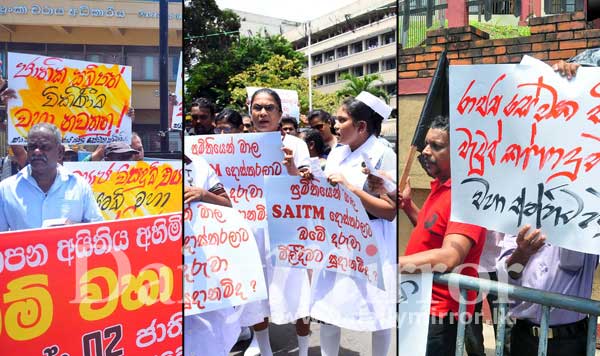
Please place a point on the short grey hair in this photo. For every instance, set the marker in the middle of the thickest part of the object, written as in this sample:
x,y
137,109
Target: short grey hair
x,y
44,126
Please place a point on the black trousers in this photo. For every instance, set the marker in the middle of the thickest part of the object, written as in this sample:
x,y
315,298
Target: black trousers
x,y
474,330
523,343
441,340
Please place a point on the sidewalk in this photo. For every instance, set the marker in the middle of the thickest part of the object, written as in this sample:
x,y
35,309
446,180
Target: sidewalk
x,y
284,342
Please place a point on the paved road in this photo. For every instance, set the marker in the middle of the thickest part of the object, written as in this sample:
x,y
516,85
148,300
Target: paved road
x,y
284,342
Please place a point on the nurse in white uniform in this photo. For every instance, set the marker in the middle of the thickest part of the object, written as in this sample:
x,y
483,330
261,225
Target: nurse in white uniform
x,y
214,332
340,300
289,288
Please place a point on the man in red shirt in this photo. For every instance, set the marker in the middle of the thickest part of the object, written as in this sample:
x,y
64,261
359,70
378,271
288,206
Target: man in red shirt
x,y
438,243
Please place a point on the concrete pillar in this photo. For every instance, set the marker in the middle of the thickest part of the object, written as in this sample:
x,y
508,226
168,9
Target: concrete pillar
x,y
525,11
458,15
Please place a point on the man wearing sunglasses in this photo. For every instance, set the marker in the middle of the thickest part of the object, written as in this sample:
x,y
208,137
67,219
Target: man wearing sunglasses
x,y
247,121
203,117
321,120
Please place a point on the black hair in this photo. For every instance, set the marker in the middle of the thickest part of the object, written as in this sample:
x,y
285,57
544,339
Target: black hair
x,y
271,92
204,103
360,111
231,116
324,116
440,122
313,135
289,120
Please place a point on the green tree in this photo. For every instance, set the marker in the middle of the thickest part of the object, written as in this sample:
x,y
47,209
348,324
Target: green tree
x,y
209,78
366,83
208,31
280,73
209,34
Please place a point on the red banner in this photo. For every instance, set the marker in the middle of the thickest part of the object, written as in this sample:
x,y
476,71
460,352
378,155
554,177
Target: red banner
x,y
110,288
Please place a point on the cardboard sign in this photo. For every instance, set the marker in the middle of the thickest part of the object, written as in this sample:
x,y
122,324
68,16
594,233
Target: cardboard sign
x,y
525,150
87,101
241,161
414,302
93,289
315,225
222,263
132,189
177,119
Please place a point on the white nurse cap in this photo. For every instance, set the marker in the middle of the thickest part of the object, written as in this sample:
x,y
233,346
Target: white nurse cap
x,y
378,105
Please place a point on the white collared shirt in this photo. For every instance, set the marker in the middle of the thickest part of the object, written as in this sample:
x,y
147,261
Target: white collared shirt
x,y
23,204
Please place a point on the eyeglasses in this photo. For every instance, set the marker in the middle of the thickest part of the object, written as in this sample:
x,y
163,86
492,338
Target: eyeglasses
x,y
268,108
200,117
223,129
318,127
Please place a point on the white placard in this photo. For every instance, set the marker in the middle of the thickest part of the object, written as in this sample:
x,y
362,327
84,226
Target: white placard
x,y
525,149
318,226
222,263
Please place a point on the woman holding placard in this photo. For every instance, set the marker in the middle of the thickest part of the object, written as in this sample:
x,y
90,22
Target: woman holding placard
x,y
285,304
340,300
214,332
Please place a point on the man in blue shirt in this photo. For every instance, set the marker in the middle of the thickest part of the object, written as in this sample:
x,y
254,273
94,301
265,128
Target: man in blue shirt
x,y
43,193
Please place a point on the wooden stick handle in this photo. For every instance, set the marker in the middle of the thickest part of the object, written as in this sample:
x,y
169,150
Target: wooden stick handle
x,y
411,157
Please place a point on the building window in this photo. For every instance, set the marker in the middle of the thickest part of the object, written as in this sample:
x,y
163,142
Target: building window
x,y
150,68
342,51
329,56
319,81
389,37
373,67
173,66
372,42
29,48
93,58
341,73
65,51
329,78
358,71
356,47
145,60
391,89
317,59
390,64
105,54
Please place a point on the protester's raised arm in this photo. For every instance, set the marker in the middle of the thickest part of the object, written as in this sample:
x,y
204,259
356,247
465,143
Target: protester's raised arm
x,y
444,259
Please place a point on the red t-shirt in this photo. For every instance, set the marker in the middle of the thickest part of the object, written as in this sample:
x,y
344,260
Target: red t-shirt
x,y
432,226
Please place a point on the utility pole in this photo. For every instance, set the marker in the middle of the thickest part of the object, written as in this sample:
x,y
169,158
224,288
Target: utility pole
x,y
163,68
309,71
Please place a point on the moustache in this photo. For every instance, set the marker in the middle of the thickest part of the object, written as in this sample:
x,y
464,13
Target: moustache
x,y
424,160
39,158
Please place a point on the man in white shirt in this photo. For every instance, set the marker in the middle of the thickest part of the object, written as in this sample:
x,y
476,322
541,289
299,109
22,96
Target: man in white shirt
x,y
44,193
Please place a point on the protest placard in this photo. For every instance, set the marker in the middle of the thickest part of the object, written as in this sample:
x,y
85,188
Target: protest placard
x,y
524,151
87,101
177,118
109,288
241,161
290,105
222,262
315,225
130,189
414,302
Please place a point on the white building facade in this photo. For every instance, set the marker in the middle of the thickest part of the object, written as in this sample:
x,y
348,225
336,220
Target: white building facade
x,y
359,39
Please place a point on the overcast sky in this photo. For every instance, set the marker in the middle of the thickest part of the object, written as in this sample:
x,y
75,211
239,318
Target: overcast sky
x,y
299,11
